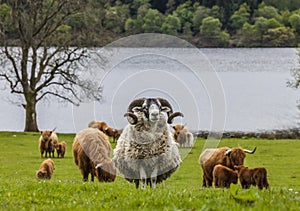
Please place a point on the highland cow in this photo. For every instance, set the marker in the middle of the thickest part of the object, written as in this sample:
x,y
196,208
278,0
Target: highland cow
x,y
61,149
48,142
224,176
252,176
102,126
91,152
225,156
46,169
182,136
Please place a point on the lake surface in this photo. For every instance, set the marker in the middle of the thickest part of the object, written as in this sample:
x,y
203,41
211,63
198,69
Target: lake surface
x,y
216,89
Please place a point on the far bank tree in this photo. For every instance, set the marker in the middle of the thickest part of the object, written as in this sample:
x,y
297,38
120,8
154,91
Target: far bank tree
x,y
41,63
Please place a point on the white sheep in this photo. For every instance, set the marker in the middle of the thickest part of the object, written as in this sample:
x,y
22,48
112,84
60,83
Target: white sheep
x,y
146,150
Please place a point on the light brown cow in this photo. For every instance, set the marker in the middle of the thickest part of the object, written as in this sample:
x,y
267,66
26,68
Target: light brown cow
x,y
46,169
91,152
252,176
48,142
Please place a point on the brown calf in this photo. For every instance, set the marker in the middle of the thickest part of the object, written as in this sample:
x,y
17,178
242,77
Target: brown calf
x,y
252,176
224,176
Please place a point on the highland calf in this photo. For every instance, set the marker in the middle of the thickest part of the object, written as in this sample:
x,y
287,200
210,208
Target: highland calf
x,y
91,152
48,142
61,149
225,156
252,176
46,169
224,176
182,136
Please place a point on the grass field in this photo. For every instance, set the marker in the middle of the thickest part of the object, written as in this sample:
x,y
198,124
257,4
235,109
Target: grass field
x,y
20,190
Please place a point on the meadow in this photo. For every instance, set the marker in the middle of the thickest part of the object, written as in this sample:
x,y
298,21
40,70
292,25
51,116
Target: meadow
x,y
21,190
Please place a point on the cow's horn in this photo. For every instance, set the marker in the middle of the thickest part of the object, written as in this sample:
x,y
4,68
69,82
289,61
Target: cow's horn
x,y
250,152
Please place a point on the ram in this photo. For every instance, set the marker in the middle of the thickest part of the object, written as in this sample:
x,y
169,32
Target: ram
x,y
225,156
146,151
91,153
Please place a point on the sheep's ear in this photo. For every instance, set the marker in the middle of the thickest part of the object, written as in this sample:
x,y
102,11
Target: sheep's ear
x,y
165,109
174,127
41,132
137,109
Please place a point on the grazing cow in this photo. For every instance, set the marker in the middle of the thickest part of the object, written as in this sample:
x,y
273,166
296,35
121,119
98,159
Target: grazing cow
x,y
224,176
252,176
46,169
91,152
224,156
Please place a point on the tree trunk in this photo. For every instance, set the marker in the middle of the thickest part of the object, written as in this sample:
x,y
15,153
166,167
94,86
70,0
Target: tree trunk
x,y
30,120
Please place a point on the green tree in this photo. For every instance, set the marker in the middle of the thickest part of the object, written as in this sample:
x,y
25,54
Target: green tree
x,y
200,13
171,25
267,12
279,37
152,21
294,20
116,17
6,21
210,27
240,17
185,13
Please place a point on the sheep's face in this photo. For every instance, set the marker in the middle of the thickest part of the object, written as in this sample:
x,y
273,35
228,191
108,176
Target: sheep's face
x,y
152,109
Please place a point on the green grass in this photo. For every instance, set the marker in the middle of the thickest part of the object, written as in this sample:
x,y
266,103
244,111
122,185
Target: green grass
x,y
20,190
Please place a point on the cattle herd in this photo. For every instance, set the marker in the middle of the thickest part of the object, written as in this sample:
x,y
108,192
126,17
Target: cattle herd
x,y
147,151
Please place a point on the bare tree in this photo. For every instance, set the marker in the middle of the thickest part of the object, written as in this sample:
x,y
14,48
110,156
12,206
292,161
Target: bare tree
x,y
42,63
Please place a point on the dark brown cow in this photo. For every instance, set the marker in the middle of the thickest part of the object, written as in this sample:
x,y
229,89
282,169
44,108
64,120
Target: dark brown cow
x,y
224,176
252,176
224,156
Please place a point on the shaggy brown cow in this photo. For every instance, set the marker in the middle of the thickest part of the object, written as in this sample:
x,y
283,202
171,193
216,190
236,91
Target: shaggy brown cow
x,y
46,169
61,149
48,142
224,176
252,176
91,152
225,156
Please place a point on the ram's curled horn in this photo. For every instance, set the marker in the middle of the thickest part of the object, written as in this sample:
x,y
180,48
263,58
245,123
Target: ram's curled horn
x,y
250,152
131,117
170,114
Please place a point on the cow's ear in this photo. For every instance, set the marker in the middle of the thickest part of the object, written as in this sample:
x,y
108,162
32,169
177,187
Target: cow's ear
x,y
227,153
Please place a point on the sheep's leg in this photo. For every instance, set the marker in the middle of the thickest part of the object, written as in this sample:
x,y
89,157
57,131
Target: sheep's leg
x,y
143,178
154,178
